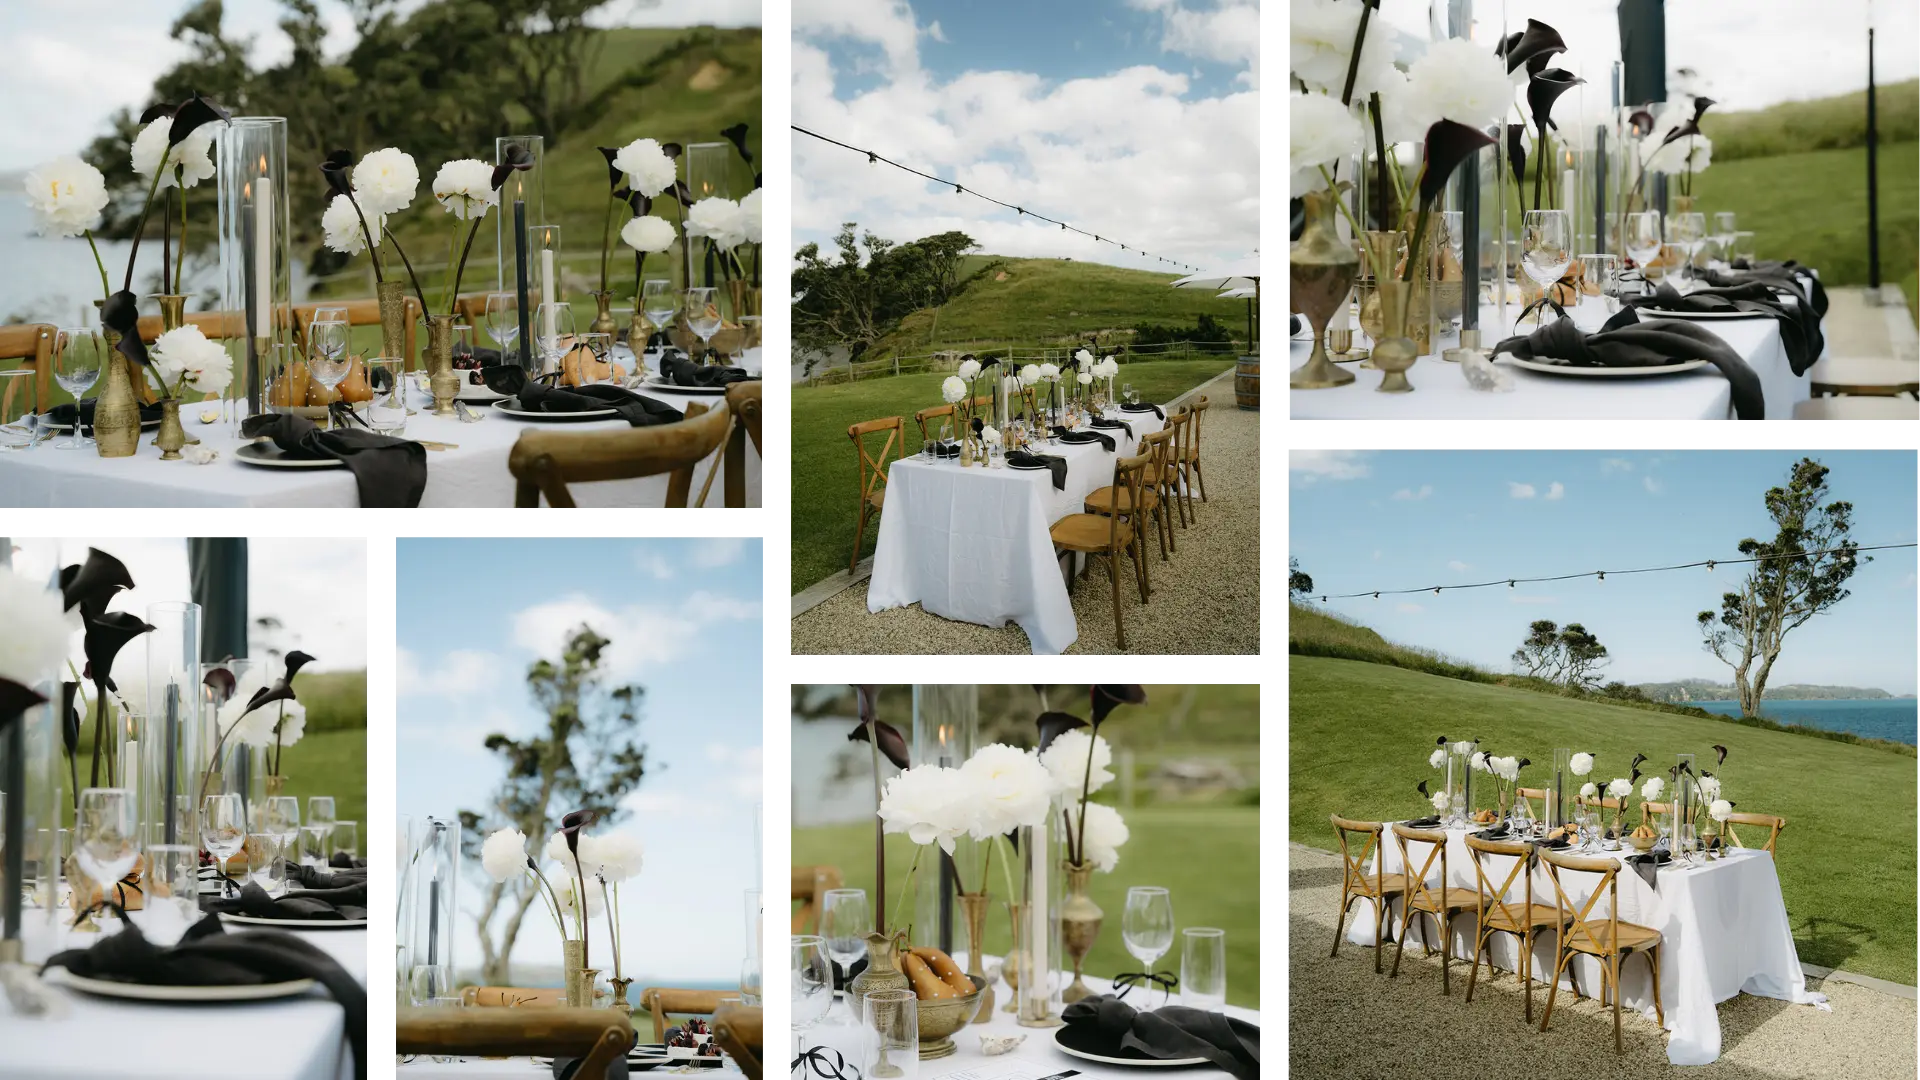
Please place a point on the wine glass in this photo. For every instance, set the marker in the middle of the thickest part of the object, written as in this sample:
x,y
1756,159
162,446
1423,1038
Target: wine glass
x,y
1687,232
890,1035
553,322
1725,229
812,989
327,344
1203,968
1147,925
1548,239
703,315
844,922
78,356
503,321
658,303
600,347
1742,248
1131,395
1643,238
223,828
319,827
106,840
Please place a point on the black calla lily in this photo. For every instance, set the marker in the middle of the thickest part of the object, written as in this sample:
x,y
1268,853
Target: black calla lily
x,y
641,205
121,313
1052,725
156,111
1637,759
1641,120
518,160
334,167
192,114
1700,107
893,745
1722,752
16,699
1422,788
106,636
1530,46
672,150
1448,144
1107,697
282,688
221,682
616,179
1517,154
1522,763
1544,89
90,585
737,135
1441,741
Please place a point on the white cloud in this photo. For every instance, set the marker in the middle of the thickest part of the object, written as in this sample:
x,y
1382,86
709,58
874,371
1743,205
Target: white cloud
x,y
641,637
1520,491
1609,466
1228,32
650,561
1458,567
717,552
458,673
1653,486
1308,466
1408,609
1556,490
1410,495
711,607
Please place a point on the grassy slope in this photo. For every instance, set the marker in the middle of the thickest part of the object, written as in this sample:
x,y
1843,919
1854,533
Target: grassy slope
x,y
332,763
1846,860
826,477
1209,857
1824,124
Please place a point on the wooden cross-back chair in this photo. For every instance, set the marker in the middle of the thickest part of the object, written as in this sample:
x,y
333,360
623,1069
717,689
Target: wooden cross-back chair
x,y
1356,883
743,401
1772,823
1190,454
598,1036
32,345
873,473
1440,904
1538,813
1651,810
810,887
545,462
739,1031
1499,914
934,412
1610,940
1115,499
1180,426
218,325
1111,535
517,997
737,1028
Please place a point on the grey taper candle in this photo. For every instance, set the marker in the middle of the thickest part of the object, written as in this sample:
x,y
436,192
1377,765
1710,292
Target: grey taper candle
x,y
16,809
520,277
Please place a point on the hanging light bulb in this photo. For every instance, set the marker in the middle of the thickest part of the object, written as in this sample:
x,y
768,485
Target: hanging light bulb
x,y
1376,596
1509,583
1601,574
1709,566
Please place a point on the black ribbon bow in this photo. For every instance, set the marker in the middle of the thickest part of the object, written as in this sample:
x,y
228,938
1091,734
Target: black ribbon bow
x,y
1127,980
1625,341
824,1062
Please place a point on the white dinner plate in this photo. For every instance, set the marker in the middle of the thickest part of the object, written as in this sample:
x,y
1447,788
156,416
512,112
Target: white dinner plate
x,y
181,994
145,425
1060,1041
1027,468
1605,372
267,455
1656,313
655,382
296,924
472,392
507,405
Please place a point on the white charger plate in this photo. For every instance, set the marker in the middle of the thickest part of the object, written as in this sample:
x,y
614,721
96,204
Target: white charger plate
x,y
1605,372
181,994
1141,1063
267,455
1656,313
655,382
296,924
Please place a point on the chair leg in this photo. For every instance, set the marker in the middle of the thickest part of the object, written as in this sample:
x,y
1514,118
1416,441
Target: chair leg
x,y
1379,920
1160,523
1119,625
1653,961
1479,948
1526,971
859,535
1202,478
1553,988
1167,508
1400,947
1139,562
1340,926
1446,951
1613,965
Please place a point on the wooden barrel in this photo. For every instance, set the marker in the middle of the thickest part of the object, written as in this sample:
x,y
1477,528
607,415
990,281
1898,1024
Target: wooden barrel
x,y
1246,383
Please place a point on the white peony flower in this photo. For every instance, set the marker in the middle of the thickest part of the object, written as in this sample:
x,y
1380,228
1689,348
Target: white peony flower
x,y
465,188
1029,375
1437,759
647,233
66,196
596,901
192,158
719,220
504,855
1066,758
932,804
1321,46
1620,788
649,170
1479,761
34,631
1506,768
1589,789
750,215
385,182
1460,81
968,370
1440,801
1720,810
1652,788
953,390
1582,764
616,856
257,727
1084,379
1010,788
1108,368
341,226
1710,788
556,850
1106,832
1083,356
185,351
1049,373
1319,131
1690,154
1404,115
991,434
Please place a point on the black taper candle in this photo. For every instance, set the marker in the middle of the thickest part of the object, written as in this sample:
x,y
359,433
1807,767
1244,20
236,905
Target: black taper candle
x,y
249,286
1873,174
946,903
16,785
520,278
1469,195
708,282
172,827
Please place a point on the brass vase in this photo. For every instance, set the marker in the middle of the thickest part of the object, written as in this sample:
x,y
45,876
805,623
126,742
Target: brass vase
x,y
1420,296
883,965
620,994
116,411
573,956
603,321
973,907
173,310
1383,250
1394,352
753,312
1322,269
393,318
440,377
172,436
1080,920
276,785
638,331
1010,970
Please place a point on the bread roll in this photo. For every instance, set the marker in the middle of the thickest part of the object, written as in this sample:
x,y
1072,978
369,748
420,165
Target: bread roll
x,y
926,985
944,967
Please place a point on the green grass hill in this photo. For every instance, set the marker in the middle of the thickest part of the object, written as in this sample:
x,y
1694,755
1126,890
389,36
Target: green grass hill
x,y
1360,732
1832,123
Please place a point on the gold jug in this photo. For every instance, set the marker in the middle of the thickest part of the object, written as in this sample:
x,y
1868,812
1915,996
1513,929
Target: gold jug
x,y
1322,268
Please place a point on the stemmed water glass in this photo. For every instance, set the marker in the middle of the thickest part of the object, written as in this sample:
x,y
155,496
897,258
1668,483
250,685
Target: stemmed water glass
x,y
319,827
844,922
1601,272
1687,232
1147,925
703,316
503,322
223,828
554,326
106,840
1643,239
327,344
1548,239
78,355
658,303
1725,228
812,989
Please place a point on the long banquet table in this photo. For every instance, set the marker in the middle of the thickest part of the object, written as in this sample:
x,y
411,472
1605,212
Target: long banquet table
x,y
972,544
472,475
1723,925
1441,391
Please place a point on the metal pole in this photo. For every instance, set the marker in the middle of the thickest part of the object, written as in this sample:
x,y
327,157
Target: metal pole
x,y
1873,176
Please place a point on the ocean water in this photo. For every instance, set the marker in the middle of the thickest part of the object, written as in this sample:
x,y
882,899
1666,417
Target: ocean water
x,y
1879,718
55,280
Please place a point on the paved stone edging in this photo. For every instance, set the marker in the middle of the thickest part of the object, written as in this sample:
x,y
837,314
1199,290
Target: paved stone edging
x,y
1891,989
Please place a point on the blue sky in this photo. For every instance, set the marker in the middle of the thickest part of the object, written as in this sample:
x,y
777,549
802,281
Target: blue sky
x,y
1364,521
684,619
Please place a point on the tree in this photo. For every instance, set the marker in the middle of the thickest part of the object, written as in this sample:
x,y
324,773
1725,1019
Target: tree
x,y
1570,655
859,298
1299,583
1539,652
587,756
1802,572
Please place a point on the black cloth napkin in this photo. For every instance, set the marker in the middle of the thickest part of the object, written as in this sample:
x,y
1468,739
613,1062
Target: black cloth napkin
x,y
843,976
1625,341
684,372
1422,823
1063,434
1144,406
1799,314
1498,832
536,396
209,956
340,860
64,413
946,449
1648,865
1120,425
390,472
1789,275
323,895
1111,1027
1058,465
1799,327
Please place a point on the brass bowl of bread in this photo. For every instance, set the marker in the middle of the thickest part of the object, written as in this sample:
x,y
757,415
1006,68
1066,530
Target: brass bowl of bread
x,y
1643,839
944,1007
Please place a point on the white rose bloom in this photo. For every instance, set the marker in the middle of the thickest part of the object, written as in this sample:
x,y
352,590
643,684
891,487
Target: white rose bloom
x,y
1106,832
1439,801
1321,37
1720,810
385,182
1620,788
1084,379
66,196
34,631
1582,764
504,855
649,170
596,901
969,370
186,351
953,389
750,215
341,227
1009,785
465,188
1066,759
1652,789
719,220
193,157
1029,375
647,233
1461,81
1437,759
932,804
1319,131
1049,372
1589,789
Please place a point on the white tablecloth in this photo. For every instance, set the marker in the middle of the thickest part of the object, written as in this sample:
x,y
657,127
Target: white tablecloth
x,y
1723,926
474,474
302,1038
1441,391
972,544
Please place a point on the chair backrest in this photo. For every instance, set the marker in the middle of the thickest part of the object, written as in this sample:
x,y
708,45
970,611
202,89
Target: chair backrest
x,y
873,470
743,401
1180,428
1601,801
366,312
1520,853
545,462
1772,823
932,412
810,885
1128,473
1418,888
600,1036
32,345
1609,885
218,325
1354,866
739,1029
1530,794
662,1002
514,996
1651,810
1158,449
1199,408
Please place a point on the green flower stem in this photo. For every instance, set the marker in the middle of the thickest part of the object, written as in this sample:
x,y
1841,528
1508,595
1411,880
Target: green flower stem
x,y
106,289
180,253
1413,246
613,924
1358,232
606,243
1006,866
134,255
907,890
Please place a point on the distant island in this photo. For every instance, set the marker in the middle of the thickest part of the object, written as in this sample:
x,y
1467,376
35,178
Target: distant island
x,y
1689,690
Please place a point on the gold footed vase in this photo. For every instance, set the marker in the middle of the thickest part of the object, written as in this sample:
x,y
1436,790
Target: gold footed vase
x,y
1080,920
573,955
440,377
603,320
620,994
393,317
973,907
1395,352
1322,269
172,436
116,411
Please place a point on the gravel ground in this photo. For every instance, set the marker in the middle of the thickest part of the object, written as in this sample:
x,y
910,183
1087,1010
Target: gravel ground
x,y
1347,1022
1205,601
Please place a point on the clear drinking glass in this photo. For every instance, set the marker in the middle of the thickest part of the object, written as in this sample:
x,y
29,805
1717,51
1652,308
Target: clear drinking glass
x,y
659,303
1725,228
1548,239
1600,272
890,1020
553,327
346,838
223,827
812,989
703,314
1743,247
387,410
1688,232
263,856
844,922
280,818
172,881
106,840
1146,927
18,422
327,348
79,354
1203,967
1643,238
503,321
318,831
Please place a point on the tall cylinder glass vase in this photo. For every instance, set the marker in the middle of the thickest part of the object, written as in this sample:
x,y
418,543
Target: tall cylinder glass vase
x,y
36,795
946,720
178,754
527,187
1681,792
406,841
709,176
1459,777
436,880
1565,786
256,255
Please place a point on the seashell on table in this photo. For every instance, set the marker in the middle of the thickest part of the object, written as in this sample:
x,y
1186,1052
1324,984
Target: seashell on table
x,y
996,1045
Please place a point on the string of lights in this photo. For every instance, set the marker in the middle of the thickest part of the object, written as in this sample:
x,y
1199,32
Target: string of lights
x,y
1599,575
874,158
